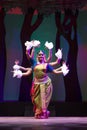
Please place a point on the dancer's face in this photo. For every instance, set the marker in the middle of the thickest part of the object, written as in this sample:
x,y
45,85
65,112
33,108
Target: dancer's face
x,y
40,57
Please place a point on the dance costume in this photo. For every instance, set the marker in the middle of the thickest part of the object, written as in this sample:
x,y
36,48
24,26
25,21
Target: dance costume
x,y
41,90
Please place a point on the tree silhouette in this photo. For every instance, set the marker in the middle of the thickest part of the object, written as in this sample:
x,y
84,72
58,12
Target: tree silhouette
x,y
26,32
2,52
68,29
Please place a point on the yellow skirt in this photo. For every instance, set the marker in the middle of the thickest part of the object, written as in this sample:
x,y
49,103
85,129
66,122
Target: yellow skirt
x,y
41,94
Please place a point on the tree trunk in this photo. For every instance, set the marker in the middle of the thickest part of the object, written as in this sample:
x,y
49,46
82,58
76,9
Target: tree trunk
x,y
26,32
2,53
68,29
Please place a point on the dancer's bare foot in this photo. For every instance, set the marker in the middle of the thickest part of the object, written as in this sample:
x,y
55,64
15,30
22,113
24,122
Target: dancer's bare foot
x,y
45,115
37,116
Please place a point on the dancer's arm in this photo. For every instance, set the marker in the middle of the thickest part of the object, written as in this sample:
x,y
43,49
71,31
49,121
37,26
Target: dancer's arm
x,y
60,68
63,69
55,62
52,70
25,69
30,53
58,54
49,56
28,72
19,73
57,71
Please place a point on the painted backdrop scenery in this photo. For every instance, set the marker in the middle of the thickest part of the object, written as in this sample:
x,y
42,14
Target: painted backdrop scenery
x,y
45,32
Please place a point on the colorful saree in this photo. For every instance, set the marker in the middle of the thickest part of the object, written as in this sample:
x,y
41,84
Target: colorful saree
x,y
41,91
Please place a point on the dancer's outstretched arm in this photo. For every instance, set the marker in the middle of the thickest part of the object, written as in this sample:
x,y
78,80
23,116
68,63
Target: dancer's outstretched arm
x,y
30,46
23,68
63,69
49,56
55,62
30,53
28,72
49,46
18,73
57,71
58,54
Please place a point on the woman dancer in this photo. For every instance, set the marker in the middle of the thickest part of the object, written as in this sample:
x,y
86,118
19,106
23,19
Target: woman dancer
x,y
42,88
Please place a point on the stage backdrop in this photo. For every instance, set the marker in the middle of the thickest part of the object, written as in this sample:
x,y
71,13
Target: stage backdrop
x,y
45,32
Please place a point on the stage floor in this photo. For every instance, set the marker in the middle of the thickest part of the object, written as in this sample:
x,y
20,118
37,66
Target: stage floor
x,y
52,123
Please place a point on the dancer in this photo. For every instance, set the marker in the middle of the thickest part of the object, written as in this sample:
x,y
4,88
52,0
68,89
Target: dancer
x,y
41,91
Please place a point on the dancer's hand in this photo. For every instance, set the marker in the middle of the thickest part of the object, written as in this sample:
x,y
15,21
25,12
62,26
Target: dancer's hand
x,y
36,43
49,45
17,73
58,54
28,45
65,69
16,67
